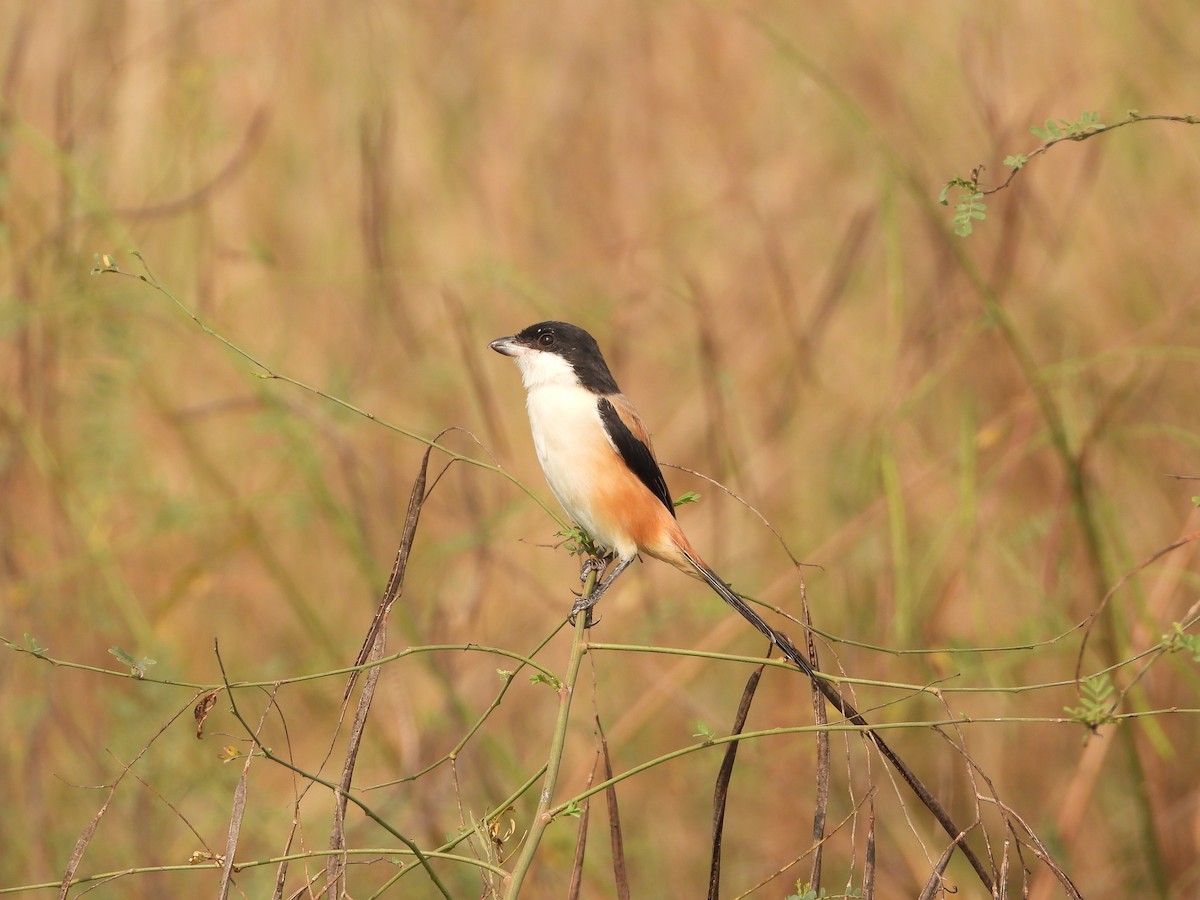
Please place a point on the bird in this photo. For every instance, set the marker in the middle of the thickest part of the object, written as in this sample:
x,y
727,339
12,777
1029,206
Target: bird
x,y
599,462
596,454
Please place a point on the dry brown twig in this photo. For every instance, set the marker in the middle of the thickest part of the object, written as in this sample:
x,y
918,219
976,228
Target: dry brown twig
x,y
373,649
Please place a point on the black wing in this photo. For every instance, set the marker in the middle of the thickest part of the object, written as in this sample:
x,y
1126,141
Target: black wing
x,y
635,452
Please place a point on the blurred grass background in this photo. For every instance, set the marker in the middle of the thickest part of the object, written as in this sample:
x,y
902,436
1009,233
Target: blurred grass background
x,y
740,205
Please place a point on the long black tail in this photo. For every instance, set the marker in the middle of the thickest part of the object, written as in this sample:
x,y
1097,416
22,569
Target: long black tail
x,y
845,707
780,640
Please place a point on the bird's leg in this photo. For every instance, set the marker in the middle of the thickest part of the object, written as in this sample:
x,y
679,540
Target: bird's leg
x,y
595,564
585,604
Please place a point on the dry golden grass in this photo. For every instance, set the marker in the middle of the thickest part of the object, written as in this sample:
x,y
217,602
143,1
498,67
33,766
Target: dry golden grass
x,y
741,206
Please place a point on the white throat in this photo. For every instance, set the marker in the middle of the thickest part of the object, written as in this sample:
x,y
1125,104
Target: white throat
x,y
542,369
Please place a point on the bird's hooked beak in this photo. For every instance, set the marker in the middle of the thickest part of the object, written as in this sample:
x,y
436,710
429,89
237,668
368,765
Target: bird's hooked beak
x,y
507,345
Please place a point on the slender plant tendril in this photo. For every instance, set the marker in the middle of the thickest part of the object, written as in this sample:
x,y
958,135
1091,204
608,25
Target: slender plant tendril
x,y
970,207
370,813
106,265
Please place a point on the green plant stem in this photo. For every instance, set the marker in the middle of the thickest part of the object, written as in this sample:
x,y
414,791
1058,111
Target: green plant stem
x,y
297,679
543,818
936,688
215,865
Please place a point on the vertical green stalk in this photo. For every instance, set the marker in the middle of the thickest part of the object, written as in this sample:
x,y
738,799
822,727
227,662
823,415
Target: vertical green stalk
x,y
558,741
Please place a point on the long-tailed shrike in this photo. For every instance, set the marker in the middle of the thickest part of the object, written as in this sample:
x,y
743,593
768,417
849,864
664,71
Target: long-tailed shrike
x,y
597,457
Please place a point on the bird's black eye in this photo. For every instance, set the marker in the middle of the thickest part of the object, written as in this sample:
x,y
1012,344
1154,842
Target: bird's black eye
x,y
546,339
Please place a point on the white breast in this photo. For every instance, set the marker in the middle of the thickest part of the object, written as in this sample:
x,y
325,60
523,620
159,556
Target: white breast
x,y
564,421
